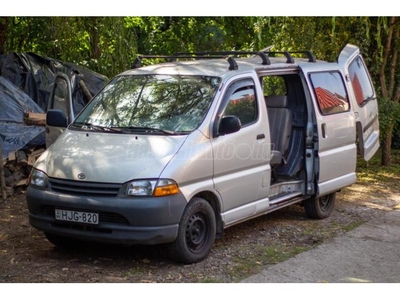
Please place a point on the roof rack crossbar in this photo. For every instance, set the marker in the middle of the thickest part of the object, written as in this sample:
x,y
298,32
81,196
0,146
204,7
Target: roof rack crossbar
x,y
205,55
138,60
263,56
137,63
289,58
309,54
232,63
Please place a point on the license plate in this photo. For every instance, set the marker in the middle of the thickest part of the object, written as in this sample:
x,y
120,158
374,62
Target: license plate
x,y
77,216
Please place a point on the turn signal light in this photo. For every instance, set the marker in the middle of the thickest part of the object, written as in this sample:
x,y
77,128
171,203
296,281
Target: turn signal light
x,y
166,190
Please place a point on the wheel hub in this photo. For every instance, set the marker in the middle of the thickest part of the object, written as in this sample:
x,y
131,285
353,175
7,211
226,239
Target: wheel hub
x,y
195,232
324,202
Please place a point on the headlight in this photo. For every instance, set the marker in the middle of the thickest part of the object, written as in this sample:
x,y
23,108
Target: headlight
x,y
156,188
140,188
38,178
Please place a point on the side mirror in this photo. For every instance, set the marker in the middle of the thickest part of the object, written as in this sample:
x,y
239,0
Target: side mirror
x,y
229,124
56,118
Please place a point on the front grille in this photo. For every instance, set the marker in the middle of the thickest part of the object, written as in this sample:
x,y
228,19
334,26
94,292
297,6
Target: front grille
x,y
73,187
112,218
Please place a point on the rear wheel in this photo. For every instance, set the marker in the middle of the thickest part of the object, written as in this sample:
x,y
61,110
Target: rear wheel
x,y
196,232
321,207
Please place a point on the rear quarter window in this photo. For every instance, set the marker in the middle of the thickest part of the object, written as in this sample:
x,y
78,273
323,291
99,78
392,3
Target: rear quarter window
x,y
360,81
330,92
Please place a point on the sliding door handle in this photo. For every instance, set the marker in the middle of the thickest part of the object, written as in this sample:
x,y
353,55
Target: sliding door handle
x,y
260,136
323,130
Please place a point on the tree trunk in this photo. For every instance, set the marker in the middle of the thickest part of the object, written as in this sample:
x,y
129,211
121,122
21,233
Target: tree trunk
x,y
386,158
2,176
3,33
389,84
94,37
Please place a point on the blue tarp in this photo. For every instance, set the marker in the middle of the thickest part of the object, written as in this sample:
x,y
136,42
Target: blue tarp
x,y
14,133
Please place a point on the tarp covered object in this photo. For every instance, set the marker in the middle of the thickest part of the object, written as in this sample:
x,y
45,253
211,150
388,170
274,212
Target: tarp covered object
x,y
13,132
26,81
35,74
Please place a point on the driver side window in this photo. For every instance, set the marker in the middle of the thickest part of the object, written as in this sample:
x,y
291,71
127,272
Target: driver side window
x,y
242,104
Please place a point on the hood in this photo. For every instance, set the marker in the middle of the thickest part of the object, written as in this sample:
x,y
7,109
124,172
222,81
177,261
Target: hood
x,y
108,157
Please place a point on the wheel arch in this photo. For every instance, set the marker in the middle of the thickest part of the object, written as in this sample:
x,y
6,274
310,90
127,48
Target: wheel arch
x,y
211,198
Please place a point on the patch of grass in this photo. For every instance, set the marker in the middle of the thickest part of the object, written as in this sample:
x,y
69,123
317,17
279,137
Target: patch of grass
x,y
320,234
373,171
211,280
352,225
137,270
277,255
247,266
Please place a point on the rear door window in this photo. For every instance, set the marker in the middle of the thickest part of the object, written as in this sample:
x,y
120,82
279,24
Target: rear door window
x,y
330,92
360,81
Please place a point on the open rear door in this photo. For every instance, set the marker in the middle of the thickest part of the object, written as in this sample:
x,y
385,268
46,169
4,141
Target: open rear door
x,y
60,99
363,100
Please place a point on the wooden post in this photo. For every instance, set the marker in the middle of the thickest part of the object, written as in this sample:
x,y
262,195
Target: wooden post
x,y
86,91
2,176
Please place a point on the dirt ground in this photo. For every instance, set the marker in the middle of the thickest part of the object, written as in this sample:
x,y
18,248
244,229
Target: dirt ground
x,y
27,257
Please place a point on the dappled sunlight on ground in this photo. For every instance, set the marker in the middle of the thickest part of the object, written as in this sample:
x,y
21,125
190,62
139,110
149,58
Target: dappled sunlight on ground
x,y
374,195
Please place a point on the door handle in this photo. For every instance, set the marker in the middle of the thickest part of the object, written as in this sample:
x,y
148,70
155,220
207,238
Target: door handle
x,y
323,130
260,136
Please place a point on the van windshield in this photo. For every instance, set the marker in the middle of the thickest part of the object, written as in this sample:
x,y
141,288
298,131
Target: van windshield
x,y
158,104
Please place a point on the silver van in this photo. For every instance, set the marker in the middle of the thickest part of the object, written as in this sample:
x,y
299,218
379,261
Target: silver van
x,y
174,153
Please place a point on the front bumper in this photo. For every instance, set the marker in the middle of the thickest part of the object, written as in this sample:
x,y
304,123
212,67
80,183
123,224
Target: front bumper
x,y
123,220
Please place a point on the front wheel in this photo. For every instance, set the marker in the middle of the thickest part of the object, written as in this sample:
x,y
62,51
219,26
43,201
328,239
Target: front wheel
x,y
321,207
196,233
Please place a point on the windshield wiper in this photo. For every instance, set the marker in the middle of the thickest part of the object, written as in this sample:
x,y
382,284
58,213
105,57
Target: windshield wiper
x,y
148,129
85,125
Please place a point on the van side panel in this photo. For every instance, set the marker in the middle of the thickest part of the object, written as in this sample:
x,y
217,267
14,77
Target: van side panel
x,y
241,169
337,159
192,166
363,99
336,128
331,185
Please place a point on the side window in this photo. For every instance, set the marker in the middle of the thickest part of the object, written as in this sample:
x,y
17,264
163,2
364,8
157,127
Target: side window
x,y
242,104
274,85
330,92
360,81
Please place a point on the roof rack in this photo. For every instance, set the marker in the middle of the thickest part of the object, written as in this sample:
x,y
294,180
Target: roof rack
x,y
205,55
309,54
229,55
289,57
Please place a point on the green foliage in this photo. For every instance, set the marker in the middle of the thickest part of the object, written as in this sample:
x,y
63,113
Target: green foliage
x,y
109,45
274,85
389,112
93,44
372,174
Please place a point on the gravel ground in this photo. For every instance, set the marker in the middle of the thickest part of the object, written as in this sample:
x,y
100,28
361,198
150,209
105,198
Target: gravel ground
x,y
27,257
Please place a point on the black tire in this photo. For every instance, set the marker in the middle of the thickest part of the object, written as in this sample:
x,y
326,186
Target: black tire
x,y
62,241
196,233
321,207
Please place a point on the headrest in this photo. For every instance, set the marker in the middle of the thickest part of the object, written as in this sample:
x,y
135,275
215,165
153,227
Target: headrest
x,y
276,101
